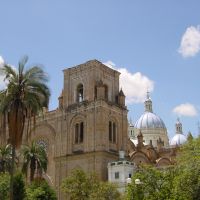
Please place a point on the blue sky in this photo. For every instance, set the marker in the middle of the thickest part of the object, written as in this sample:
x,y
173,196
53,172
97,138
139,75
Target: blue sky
x,y
155,44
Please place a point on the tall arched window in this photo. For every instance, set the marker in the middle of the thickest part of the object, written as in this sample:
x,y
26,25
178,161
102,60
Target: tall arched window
x,y
112,132
79,93
79,133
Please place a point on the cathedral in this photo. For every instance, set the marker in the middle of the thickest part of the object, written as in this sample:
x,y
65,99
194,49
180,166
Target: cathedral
x,y
89,128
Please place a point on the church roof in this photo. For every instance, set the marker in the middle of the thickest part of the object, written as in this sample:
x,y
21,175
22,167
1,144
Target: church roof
x,y
149,120
178,139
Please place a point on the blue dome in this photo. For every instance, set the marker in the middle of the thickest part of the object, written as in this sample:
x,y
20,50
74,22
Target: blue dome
x,y
178,139
149,120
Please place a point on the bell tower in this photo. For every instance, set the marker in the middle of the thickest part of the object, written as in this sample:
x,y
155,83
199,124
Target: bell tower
x,y
94,128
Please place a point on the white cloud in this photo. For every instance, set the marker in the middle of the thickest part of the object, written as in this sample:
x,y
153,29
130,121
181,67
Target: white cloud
x,y
110,64
1,61
2,84
190,42
134,85
186,109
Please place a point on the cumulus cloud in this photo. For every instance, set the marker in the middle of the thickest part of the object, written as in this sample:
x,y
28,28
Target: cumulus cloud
x,y
1,61
190,42
186,109
2,84
134,85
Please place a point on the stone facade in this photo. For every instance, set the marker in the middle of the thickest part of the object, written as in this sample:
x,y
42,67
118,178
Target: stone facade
x,y
88,128
143,154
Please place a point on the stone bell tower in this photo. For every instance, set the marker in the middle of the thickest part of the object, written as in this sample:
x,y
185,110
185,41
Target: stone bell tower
x,y
94,125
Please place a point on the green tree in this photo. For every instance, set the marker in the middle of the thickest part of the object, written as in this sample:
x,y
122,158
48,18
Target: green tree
x,y
154,184
40,190
105,191
80,186
19,187
5,158
25,94
189,136
4,186
187,180
35,158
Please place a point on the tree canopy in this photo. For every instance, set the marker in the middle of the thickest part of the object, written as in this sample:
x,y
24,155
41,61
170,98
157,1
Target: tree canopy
x,y
25,94
178,182
80,186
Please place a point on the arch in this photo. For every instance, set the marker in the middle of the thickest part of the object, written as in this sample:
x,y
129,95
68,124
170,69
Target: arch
x,y
77,131
44,124
163,162
77,117
139,157
113,118
47,134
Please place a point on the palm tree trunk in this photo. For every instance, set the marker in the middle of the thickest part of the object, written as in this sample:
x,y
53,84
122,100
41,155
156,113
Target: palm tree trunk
x,y
32,171
12,172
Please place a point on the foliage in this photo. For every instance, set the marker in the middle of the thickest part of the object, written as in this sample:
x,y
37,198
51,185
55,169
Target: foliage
x,y
40,190
4,186
18,187
190,153
5,158
105,191
80,186
187,180
35,157
26,93
180,182
189,136
155,184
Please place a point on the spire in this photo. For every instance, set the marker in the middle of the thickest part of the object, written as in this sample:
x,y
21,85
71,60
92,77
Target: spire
x,y
148,103
121,92
178,127
148,94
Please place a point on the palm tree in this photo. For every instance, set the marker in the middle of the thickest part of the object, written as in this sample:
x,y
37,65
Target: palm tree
x,y
5,158
26,93
35,158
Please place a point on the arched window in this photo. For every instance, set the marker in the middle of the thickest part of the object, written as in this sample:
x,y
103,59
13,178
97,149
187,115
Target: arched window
x,y
79,133
42,143
112,132
79,93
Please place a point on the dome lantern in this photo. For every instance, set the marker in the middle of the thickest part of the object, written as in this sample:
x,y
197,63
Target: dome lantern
x,y
178,126
148,103
179,138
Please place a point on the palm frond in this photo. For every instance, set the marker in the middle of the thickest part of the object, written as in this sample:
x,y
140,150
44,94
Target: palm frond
x,y
25,95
